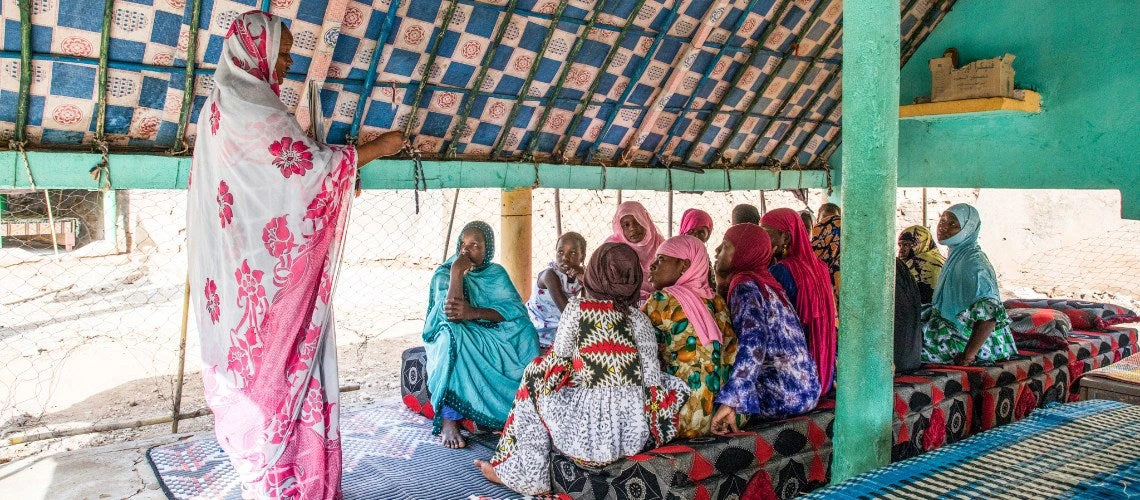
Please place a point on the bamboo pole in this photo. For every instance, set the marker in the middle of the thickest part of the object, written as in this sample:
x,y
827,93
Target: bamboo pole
x,y
181,356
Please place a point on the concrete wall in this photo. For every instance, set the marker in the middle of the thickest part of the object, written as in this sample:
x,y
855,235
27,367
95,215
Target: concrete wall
x,y
1080,56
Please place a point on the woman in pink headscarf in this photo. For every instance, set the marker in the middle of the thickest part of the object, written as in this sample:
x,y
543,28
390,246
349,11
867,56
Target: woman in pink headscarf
x,y
693,331
697,223
266,223
634,227
807,281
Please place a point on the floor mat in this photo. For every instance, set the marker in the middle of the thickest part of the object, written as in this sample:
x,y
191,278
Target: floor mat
x,y
389,454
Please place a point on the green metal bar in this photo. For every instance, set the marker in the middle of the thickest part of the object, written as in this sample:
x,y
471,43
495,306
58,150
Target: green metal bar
x,y
817,12
427,67
539,54
676,128
578,42
104,56
265,6
800,119
370,76
788,100
188,86
560,149
633,81
25,71
761,41
807,109
140,171
864,406
111,219
469,98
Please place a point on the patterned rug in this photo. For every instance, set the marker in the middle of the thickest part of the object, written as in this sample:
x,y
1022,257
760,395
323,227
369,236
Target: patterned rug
x,y
1125,370
389,454
1078,450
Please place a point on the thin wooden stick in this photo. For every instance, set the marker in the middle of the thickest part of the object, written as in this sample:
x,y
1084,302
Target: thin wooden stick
x,y
558,210
450,224
181,356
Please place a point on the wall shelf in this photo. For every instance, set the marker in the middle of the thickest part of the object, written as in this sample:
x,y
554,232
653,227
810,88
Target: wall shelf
x,y
989,105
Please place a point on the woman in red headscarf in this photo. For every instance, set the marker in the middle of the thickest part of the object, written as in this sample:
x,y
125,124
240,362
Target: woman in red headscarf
x,y
808,281
266,219
634,227
773,375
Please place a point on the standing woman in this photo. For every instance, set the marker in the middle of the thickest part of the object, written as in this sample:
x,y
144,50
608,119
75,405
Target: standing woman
x,y
813,296
968,322
825,240
634,227
266,223
921,256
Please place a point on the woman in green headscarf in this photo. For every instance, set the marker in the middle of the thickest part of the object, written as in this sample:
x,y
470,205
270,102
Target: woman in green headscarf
x,y
477,335
967,322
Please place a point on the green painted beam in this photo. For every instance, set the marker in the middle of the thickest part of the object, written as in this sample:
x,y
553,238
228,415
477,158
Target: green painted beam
x,y
864,407
68,170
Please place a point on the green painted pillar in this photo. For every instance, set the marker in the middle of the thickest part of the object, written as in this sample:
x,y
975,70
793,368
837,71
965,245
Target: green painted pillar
x,y
863,413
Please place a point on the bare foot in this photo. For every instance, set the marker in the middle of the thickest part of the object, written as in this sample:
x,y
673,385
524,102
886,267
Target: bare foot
x,y
488,471
451,436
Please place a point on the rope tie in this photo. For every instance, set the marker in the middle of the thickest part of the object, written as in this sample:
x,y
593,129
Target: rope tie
x,y
19,146
420,182
101,173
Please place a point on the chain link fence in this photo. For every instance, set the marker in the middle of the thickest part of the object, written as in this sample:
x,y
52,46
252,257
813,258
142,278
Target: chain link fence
x,y
90,322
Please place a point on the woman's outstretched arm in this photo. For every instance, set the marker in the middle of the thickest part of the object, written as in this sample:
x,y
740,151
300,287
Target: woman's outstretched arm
x,y
388,144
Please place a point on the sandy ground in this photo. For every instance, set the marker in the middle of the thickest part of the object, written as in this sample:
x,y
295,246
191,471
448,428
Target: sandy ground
x,y
93,339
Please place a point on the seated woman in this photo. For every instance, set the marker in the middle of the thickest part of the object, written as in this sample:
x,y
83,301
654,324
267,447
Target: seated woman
x,y
599,395
634,227
561,280
967,322
921,256
693,331
808,283
697,223
825,240
773,376
477,335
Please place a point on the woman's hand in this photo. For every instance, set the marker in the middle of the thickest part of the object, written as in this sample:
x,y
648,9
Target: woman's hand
x,y
388,144
458,310
964,360
724,421
462,265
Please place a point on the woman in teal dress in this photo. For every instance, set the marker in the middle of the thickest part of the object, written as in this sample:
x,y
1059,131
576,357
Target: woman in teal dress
x,y
477,335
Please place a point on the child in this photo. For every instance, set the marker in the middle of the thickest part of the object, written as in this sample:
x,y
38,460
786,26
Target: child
x,y
556,284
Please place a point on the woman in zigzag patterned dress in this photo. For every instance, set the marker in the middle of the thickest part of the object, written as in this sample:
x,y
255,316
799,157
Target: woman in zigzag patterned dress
x,y
583,398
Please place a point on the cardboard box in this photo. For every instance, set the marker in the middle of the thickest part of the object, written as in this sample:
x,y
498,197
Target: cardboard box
x,y
984,78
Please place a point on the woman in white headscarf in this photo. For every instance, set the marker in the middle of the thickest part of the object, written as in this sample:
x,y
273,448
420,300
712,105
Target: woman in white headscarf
x,y
266,221
967,322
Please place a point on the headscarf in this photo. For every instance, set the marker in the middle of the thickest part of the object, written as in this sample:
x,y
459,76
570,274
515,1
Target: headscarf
x,y
646,248
614,274
694,219
926,262
825,244
751,257
692,289
967,275
815,298
488,236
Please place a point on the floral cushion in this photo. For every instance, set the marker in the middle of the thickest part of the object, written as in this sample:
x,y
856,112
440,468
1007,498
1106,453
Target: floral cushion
x,y
1045,329
1084,315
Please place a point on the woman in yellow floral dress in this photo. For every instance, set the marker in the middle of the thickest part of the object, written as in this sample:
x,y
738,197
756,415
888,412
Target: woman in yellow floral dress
x,y
694,330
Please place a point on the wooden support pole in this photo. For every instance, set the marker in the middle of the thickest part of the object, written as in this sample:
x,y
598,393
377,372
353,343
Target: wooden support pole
x,y
516,237
181,357
864,400
558,210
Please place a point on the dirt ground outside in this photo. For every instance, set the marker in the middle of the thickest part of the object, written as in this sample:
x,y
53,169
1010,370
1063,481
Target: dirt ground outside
x,y
92,337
